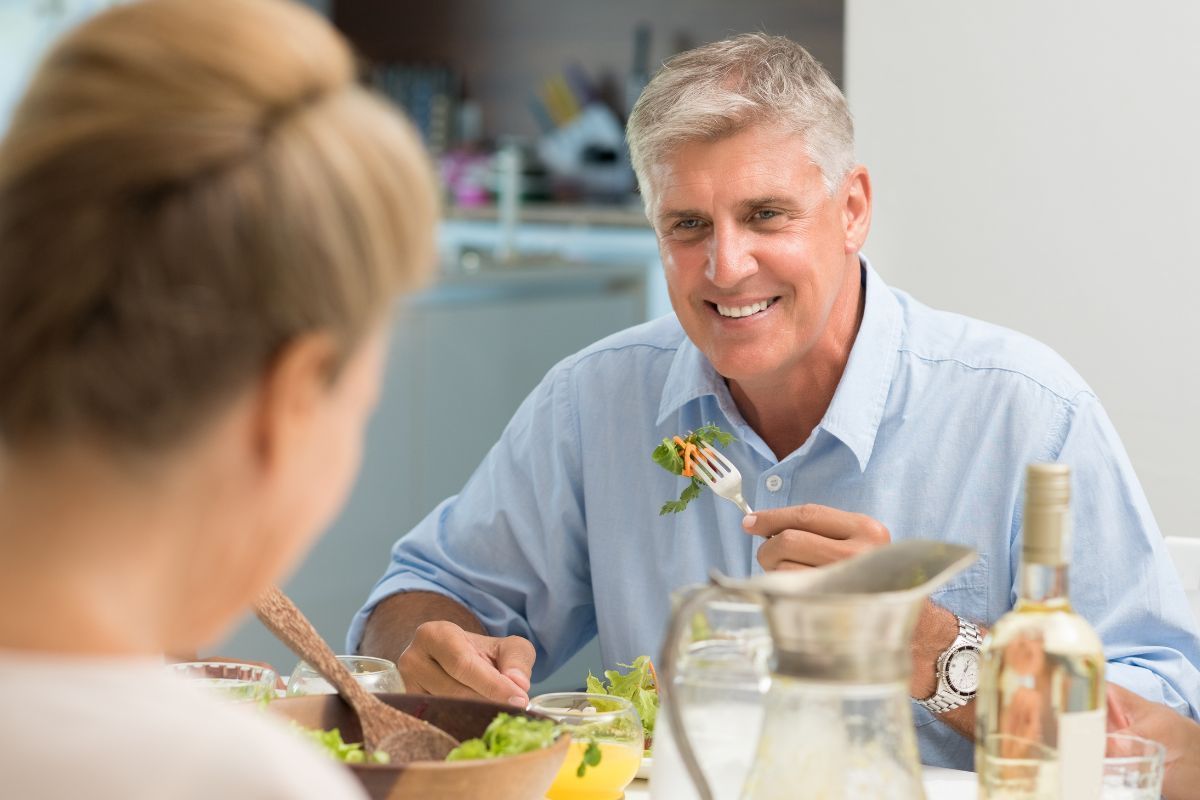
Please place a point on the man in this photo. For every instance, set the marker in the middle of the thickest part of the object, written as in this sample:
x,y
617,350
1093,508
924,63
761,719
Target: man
x,y
860,415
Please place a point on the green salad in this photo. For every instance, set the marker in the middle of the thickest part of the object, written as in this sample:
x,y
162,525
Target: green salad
x,y
639,686
510,735
332,743
507,735
678,456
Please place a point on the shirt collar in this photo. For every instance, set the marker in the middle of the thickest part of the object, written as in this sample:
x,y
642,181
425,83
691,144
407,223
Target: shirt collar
x,y
691,376
857,407
854,415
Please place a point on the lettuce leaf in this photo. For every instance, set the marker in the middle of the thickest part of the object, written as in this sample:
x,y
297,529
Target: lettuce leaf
x,y
335,747
507,735
639,686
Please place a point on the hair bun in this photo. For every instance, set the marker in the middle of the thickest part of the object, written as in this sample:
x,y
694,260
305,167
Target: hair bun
x,y
186,91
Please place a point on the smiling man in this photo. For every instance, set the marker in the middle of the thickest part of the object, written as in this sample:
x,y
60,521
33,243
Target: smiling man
x,y
861,417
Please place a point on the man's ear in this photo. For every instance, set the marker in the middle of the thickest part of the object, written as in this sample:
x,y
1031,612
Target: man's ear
x,y
290,395
855,198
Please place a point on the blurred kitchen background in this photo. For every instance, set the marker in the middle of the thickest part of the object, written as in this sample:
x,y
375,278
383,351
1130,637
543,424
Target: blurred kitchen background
x,y
1033,164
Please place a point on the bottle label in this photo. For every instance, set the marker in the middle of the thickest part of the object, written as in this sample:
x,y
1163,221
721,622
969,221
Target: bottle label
x,y
1081,754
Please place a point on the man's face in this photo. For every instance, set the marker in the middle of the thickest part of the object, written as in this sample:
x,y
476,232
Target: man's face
x,y
757,255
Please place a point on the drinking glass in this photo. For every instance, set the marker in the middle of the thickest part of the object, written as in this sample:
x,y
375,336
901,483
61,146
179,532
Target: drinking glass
x,y
1020,768
1133,768
373,674
231,680
1017,768
723,676
612,724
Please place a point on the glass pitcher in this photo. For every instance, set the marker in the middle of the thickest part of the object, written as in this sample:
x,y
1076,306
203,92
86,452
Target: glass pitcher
x,y
837,722
721,676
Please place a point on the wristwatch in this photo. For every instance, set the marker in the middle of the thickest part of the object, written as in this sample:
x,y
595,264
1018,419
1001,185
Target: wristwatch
x,y
957,670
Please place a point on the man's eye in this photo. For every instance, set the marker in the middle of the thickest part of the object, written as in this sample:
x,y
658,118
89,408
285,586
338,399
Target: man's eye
x,y
765,214
688,224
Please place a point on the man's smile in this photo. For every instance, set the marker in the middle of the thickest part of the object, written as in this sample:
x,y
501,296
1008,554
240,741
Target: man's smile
x,y
739,309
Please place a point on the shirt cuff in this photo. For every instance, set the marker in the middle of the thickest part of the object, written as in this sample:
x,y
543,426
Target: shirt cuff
x,y
1149,684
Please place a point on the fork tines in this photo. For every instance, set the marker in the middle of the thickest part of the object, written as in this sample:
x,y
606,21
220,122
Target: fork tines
x,y
712,463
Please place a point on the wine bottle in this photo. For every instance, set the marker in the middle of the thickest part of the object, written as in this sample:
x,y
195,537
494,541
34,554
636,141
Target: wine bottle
x,y
1040,711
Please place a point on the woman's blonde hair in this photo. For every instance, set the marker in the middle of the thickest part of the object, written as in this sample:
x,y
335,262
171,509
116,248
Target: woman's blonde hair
x,y
724,87
186,187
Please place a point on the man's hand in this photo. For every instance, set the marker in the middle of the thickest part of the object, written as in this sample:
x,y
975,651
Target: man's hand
x,y
798,537
441,648
443,659
1133,714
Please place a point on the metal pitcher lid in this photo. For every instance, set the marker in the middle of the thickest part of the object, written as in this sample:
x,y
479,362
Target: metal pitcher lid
x,y
852,622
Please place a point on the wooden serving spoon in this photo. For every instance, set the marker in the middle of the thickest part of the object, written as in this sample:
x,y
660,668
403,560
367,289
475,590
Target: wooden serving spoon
x,y
402,736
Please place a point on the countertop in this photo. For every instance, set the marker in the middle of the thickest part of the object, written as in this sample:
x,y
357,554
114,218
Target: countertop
x,y
612,215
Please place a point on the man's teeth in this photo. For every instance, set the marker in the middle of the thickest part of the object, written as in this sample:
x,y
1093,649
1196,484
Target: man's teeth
x,y
743,311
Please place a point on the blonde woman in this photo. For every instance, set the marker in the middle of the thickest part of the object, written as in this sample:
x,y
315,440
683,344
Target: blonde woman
x,y
203,225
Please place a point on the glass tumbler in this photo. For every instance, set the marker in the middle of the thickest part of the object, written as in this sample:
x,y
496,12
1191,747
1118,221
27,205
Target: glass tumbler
x,y
230,680
373,674
611,724
1133,768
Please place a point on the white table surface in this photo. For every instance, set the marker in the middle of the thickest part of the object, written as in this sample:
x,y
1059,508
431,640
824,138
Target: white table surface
x,y
940,784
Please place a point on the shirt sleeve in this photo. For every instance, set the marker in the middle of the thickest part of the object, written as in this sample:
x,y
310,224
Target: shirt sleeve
x,y
511,546
1121,576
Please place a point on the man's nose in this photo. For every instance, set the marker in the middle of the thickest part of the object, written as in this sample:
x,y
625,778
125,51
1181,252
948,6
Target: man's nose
x,y
731,260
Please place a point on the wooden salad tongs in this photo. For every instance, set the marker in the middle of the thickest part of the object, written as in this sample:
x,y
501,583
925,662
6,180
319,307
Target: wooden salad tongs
x,y
402,736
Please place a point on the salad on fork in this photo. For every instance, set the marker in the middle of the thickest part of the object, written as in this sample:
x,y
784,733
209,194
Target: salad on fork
x,y
694,456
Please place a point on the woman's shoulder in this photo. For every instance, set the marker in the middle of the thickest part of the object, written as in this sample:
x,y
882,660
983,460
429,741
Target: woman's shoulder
x,y
106,731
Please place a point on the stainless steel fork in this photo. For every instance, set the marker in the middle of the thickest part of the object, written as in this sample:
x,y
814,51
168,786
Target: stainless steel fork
x,y
721,475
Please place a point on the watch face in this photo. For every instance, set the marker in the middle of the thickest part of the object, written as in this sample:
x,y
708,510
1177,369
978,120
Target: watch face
x,y
962,671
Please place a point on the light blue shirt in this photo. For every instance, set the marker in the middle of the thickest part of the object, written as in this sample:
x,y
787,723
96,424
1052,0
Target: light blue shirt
x,y
557,536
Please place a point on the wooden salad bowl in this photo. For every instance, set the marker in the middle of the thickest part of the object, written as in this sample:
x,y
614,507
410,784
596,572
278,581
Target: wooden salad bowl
x,y
521,777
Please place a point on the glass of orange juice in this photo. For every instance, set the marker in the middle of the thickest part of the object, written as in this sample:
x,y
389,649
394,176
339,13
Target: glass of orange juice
x,y
612,725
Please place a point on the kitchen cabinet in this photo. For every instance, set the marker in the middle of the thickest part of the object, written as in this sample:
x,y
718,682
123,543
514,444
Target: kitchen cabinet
x,y
502,52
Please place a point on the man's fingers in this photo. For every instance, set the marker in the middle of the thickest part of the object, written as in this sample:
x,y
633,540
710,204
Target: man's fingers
x,y
475,670
833,523
1118,716
518,677
446,660
514,658
423,675
805,549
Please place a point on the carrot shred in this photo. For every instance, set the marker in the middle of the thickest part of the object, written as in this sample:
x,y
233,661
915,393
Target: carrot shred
x,y
688,451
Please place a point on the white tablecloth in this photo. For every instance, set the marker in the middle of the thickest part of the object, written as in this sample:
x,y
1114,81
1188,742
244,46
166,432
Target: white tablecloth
x,y
940,784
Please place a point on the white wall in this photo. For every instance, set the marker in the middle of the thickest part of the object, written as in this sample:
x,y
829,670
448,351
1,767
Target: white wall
x,y
1036,165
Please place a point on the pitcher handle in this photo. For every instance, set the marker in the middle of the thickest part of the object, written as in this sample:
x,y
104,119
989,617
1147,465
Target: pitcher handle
x,y
669,660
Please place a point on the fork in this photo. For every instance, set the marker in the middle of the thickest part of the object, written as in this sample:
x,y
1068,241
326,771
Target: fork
x,y
719,473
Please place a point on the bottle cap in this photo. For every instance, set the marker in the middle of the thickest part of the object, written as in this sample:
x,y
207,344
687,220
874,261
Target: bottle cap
x,y
1047,514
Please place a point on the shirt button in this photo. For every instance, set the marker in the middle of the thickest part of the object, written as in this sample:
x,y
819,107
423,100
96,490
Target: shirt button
x,y
774,483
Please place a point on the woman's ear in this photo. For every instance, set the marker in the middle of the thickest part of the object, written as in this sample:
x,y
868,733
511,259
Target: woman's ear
x,y
856,208
289,399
